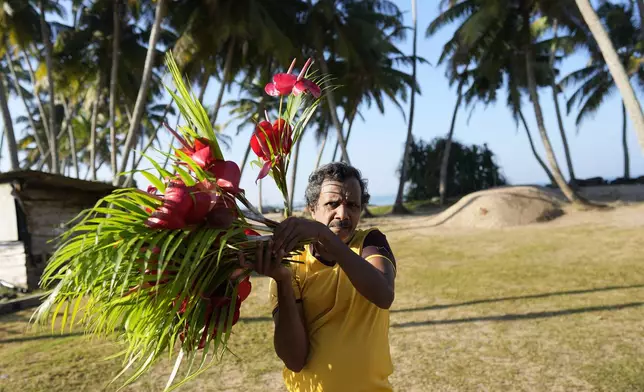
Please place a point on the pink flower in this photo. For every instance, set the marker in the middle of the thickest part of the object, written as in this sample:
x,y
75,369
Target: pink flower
x,y
287,83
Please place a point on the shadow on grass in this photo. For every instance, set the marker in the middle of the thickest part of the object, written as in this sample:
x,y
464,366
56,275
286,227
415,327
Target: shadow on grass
x,y
520,316
533,296
80,333
40,337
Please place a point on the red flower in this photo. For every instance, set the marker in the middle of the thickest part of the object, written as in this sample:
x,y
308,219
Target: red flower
x,y
228,175
181,206
287,83
271,142
251,233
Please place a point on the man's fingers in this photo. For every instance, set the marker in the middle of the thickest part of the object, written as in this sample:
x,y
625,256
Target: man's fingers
x,y
292,243
284,235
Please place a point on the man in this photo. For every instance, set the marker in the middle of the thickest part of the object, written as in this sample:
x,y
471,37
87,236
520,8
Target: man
x,y
331,310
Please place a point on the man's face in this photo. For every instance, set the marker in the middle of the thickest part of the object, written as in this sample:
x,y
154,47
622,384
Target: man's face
x,y
339,207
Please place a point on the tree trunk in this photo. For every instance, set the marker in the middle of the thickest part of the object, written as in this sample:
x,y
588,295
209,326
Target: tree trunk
x,y
137,161
94,120
346,139
141,98
627,163
555,97
41,106
203,86
398,207
116,38
72,139
321,150
615,67
227,65
532,87
53,147
333,110
534,151
30,117
442,185
294,174
8,127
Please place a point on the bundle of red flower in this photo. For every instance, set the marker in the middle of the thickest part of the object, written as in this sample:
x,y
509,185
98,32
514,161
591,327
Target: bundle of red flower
x,y
205,203
187,205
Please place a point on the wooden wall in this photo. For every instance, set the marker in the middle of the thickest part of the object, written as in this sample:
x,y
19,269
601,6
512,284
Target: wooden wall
x,y
30,225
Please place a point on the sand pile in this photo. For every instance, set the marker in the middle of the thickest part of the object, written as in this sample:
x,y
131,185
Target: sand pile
x,y
502,207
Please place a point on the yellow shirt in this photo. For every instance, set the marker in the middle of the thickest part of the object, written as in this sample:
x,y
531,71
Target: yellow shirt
x,y
348,335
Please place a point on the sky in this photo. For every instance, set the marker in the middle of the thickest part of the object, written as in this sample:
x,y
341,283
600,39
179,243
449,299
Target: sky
x,y
596,145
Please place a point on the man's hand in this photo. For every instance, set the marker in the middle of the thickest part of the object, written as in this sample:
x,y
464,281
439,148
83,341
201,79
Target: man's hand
x,y
293,230
268,264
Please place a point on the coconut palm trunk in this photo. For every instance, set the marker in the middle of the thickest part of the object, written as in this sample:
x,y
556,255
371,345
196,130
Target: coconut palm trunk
x,y
534,150
94,120
333,111
224,80
346,139
21,94
398,207
321,150
8,127
615,67
555,97
116,37
569,193
141,98
72,139
442,185
53,147
627,163
39,103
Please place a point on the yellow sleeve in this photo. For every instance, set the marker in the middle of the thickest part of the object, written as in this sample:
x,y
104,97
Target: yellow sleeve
x,y
272,288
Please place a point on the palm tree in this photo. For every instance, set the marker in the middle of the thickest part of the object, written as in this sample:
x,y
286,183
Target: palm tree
x,y
555,98
8,126
142,96
500,31
398,207
46,39
22,26
615,67
116,37
342,28
595,80
22,94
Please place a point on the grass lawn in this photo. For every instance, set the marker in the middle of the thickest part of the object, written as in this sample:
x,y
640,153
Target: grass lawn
x,y
537,308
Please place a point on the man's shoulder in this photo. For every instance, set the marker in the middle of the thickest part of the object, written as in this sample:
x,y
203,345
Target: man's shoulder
x,y
375,242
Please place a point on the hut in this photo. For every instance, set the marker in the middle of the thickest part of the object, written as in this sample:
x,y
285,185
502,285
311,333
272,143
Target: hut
x,y
35,207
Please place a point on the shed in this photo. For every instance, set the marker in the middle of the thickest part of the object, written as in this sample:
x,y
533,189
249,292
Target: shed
x,y
34,209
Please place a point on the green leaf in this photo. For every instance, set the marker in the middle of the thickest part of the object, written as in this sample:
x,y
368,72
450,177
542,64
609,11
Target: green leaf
x,y
154,181
187,179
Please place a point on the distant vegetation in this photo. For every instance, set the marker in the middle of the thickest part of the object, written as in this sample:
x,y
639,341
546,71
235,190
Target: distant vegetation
x,y
471,168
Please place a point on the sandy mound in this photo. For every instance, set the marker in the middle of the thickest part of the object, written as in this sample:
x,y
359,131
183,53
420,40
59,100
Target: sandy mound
x,y
502,207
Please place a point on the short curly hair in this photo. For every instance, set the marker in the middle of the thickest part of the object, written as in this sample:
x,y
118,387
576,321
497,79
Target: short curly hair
x,y
336,171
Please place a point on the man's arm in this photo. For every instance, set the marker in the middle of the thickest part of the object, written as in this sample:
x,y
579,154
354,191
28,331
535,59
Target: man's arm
x,y
290,338
373,276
